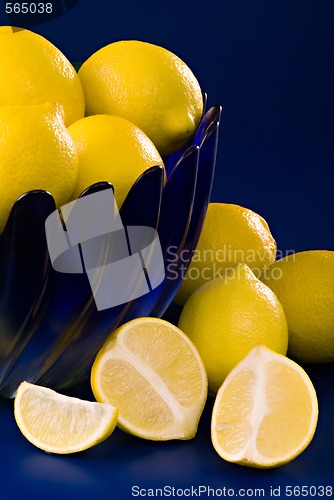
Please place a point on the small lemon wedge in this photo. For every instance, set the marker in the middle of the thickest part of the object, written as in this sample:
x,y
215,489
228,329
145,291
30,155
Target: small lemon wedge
x,y
152,372
61,424
266,411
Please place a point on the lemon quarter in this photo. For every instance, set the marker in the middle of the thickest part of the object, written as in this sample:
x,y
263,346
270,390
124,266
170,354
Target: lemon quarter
x,y
265,413
150,370
61,424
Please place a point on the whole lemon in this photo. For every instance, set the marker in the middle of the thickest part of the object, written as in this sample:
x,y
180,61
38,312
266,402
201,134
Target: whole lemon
x,y
304,284
36,152
231,234
34,71
225,318
148,85
112,149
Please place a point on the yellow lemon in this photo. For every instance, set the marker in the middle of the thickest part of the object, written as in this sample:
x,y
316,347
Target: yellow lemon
x,y
231,234
34,71
148,85
153,374
304,284
61,424
36,152
265,413
226,318
112,149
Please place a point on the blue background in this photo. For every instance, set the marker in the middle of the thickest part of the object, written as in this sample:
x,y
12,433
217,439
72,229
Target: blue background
x,y
270,64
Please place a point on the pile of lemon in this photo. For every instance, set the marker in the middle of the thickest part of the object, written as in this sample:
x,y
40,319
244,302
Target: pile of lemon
x,y
152,379
247,318
131,104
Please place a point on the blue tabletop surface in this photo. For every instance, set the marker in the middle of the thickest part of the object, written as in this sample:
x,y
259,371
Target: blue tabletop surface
x,y
124,466
270,64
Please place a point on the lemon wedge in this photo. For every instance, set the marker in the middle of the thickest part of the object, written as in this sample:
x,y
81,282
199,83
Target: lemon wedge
x,y
151,371
265,413
61,424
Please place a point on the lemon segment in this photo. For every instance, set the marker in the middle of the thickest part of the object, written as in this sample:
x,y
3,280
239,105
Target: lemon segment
x,y
61,424
151,371
266,411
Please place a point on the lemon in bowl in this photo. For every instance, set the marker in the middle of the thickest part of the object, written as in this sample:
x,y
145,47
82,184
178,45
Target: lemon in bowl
x,y
149,86
112,149
36,152
34,71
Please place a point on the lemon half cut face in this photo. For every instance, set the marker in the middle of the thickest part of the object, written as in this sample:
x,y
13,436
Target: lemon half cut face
x,y
266,411
151,371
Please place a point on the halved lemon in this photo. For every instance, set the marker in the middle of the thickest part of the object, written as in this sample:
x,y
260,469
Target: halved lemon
x,y
151,371
266,411
61,424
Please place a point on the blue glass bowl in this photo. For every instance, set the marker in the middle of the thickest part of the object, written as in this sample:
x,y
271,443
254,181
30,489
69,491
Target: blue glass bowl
x,y
50,328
